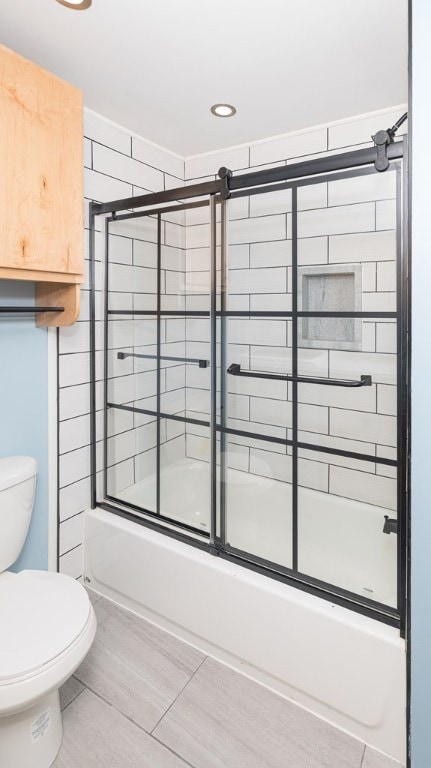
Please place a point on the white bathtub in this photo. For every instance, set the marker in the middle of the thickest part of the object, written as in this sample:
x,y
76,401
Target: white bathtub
x,y
344,667
340,541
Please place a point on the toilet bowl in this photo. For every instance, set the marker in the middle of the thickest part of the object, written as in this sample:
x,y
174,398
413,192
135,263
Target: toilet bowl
x,y
47,626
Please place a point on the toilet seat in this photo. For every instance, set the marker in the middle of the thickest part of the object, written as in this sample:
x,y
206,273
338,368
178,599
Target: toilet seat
x,y
42,614
49,629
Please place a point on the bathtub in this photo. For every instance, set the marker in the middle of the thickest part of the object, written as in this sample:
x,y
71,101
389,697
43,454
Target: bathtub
x,y
340,541
344,667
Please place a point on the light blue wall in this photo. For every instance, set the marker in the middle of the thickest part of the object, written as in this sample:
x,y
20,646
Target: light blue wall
x,y
421,388
24,408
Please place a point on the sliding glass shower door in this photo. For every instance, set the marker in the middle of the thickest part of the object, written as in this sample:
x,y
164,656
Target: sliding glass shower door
x,y
311,334
253,393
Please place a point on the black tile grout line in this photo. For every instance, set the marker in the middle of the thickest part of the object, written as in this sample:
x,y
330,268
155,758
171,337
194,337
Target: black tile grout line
x,y
300,238
249,419
190,250
303,431
327,463
179,694
363,756
72,549
107,146
131,157
75,514
288,213
288,160
80,479
301,402
300,458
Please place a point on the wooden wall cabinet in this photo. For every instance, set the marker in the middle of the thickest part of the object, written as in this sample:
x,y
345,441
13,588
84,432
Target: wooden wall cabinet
x,y
41,185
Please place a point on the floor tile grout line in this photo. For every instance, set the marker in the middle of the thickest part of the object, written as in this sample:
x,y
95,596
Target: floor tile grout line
x,y
150,624
179,694
74,698
118,711
121,659
132,722
172,751
363,756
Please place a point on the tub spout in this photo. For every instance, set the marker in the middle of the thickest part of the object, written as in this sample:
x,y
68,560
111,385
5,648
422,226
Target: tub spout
x,y
390,525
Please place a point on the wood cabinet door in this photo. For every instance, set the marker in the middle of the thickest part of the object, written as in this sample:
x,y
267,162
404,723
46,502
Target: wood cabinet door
x,y
41,169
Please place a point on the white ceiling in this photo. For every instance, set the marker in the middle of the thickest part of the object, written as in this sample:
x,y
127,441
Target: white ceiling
x,y
157,67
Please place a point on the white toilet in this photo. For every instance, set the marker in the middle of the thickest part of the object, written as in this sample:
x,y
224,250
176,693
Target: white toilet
x,y
47,625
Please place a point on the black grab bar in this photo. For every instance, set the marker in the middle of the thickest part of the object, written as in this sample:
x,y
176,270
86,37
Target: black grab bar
x,y
201,363
365,381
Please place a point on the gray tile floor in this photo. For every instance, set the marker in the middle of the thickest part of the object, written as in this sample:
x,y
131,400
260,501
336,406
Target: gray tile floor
x,y
143,699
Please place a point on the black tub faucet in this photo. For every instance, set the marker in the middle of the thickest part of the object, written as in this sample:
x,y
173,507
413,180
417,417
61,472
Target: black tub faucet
x,y
390,525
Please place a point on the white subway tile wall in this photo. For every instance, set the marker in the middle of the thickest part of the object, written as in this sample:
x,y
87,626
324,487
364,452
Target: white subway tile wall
x,y
117,165
343,222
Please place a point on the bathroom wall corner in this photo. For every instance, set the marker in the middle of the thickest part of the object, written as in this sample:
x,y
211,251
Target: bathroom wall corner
x,y
52,449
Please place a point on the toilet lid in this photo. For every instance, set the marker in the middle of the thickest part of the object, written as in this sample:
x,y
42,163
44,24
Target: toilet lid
x,y
41,615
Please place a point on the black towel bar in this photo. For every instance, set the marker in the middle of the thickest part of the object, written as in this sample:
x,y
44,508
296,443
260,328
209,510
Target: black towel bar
x,y
365,381
194,360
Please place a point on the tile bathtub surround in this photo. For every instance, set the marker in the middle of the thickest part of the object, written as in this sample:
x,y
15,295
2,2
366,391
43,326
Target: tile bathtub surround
x,y
340,224
117,164
186,710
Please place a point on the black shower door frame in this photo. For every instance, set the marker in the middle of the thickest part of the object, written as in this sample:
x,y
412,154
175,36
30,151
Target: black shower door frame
x,y
353,164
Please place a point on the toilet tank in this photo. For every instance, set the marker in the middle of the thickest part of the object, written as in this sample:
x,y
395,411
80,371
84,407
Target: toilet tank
x,y
17,488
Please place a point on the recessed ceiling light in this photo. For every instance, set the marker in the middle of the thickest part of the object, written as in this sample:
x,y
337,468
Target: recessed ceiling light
x,y
77,5
223,110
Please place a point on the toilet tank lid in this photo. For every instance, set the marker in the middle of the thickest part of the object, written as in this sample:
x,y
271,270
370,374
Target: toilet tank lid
x,y
15,470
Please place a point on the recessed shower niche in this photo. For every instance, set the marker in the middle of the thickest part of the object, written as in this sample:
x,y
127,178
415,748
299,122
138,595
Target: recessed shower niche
x,y
330,288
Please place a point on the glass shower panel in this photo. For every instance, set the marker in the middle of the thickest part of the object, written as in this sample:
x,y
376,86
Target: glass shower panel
x,y
351,546
347,335
131,421
173,261
304,461
258,505
347,527
157,364
256,354
185,474
184,368
259,257
132,259
130,360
